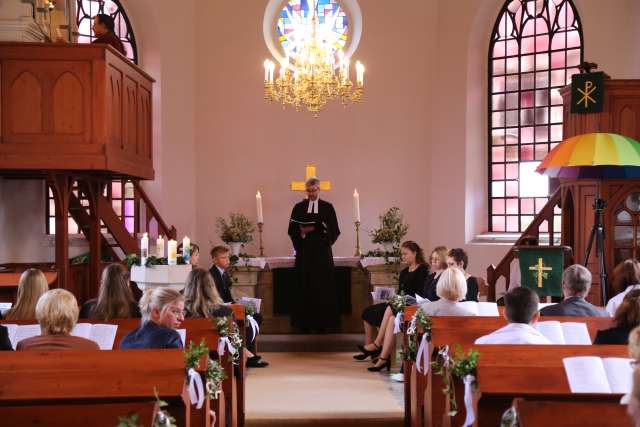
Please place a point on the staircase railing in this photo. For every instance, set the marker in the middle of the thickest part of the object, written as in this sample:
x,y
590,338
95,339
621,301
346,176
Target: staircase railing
x,y
149,220
503,269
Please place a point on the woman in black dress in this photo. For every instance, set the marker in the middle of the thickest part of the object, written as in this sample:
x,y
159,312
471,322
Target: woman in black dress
x,y
627,317
438,263
457,257
411,281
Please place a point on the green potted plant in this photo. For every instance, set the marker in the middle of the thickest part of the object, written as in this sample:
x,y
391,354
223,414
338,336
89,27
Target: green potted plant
x,y
392,230
237,232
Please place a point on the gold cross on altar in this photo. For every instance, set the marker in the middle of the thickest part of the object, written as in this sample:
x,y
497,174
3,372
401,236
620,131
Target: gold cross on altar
x,y
310,173
540,269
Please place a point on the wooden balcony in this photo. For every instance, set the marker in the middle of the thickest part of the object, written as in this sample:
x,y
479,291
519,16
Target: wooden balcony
x,y
81,108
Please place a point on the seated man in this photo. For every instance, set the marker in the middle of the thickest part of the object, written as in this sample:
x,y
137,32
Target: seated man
x,y
521,311
576,282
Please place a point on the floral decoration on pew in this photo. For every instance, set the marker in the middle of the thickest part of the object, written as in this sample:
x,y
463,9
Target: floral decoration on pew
x,y
419,322
463,366
230,338
398,303
162,417
214,374
134,259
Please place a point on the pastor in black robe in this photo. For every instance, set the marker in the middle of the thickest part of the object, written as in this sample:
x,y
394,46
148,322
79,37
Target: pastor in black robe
x,y
316,306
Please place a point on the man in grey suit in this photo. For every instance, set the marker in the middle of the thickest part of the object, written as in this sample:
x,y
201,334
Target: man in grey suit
x,y
576,282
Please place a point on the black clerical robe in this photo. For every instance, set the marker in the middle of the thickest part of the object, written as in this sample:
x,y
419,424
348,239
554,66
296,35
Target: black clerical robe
x,y
316,306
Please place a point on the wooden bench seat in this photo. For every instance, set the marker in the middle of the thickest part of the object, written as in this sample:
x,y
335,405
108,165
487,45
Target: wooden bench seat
x,y
580,412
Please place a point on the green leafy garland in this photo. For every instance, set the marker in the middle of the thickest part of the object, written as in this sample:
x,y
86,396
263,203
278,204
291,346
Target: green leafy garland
x,y
419,321
230,329
134,259
397,303
214,374
460,365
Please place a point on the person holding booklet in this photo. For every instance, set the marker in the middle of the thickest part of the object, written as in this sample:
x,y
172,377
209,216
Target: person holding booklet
x,y
31,287
162,313
438,263
576,282
626,277
521,311
57,314
627,317
115,299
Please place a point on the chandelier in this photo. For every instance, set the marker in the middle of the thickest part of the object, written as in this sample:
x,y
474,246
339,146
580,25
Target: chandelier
x,y
316,76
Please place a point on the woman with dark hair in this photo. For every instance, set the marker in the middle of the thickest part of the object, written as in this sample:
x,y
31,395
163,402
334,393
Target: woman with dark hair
x,y
457,257
411,281
115,299
626,277
627,317
438,263
104,29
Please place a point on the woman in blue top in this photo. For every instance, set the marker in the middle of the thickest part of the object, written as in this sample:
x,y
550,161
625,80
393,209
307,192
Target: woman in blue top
x,y
162,312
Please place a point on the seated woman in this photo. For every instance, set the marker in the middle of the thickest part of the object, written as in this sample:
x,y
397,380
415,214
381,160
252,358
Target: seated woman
x,y
31,287
457,257
57,314
626,277
451,288
438,262
627,317
411,281
201,298
115,299
162,312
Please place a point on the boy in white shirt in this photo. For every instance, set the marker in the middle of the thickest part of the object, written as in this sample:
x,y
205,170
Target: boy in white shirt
x,y
521,311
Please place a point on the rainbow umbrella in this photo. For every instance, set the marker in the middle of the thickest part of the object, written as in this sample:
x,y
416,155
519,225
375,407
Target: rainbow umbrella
x,y
593,155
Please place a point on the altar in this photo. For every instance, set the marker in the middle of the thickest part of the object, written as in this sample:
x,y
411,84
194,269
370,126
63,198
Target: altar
x,y
268,278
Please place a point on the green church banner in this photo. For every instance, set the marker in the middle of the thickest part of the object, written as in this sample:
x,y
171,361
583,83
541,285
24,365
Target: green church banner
x,y
541,269
587,93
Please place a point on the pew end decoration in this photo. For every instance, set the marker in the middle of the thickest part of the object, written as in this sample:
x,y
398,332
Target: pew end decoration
x,y
237,232
391,232
162,418
464,367
418,352
230,339
214,373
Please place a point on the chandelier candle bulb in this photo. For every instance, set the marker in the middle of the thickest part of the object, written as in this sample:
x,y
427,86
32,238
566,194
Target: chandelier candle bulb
x,y
144,248
266,70
359,73
172,252
259,208
356,205
160,247
186,248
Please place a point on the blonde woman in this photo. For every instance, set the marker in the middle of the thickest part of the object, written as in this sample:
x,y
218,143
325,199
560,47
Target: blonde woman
x,y
438,263
451,288
162,312
115,299
201,296
57,314
31,287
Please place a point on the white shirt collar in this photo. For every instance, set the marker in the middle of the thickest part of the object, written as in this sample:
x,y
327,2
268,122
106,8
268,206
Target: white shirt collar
x,y
313,206
221,270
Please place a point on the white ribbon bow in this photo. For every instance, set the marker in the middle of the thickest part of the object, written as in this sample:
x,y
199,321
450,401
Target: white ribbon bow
x,y
225,342
468,400
254,326
423,353
196,389
397,322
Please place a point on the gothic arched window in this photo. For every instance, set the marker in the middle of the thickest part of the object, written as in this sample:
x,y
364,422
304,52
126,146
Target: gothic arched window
x,y
536,47
87,9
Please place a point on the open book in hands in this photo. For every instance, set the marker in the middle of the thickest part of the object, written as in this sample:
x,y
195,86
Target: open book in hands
x,y
103,334
489,309
565,332
591,374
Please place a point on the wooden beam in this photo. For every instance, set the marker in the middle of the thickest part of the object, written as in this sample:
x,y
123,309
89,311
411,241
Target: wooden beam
x,y
93,191
61,184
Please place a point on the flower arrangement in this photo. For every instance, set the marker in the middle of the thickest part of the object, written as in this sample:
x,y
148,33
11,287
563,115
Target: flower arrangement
x,y
239,229
392,228
460,365
397,303
419,320
214,374
227,329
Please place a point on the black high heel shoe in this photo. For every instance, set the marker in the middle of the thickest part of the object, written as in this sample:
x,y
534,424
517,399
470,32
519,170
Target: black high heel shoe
x,y
386,365
368,353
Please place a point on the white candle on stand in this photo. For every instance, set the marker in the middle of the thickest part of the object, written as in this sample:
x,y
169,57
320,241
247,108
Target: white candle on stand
x,y
144,249
172,252
259,207
160,247
356,205
186,249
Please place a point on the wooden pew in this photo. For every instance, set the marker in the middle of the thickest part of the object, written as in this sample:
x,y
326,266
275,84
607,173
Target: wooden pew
x,y
424,403
575,413
89,387
239,313
9,284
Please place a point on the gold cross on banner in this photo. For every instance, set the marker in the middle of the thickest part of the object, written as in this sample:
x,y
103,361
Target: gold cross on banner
x,y
310,173
540,269
589,87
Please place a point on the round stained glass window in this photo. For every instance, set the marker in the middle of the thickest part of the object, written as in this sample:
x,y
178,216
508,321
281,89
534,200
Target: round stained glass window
x,y
294,22
633,202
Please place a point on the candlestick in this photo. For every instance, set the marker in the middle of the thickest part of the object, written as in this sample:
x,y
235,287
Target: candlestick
x,y
160,247
172,252
358,251
260,224
356,205
259,208
144,249
186,249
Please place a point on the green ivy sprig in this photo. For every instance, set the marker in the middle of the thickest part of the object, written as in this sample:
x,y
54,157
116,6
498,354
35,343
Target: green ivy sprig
x,y
230,329
214,374
397,303
460,365
163,418
420,320
134,259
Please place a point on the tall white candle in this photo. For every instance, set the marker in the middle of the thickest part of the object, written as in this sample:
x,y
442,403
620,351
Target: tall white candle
x,y
356,205
172,252
144,248
160,247
186,249
259,207
266,70
359,73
